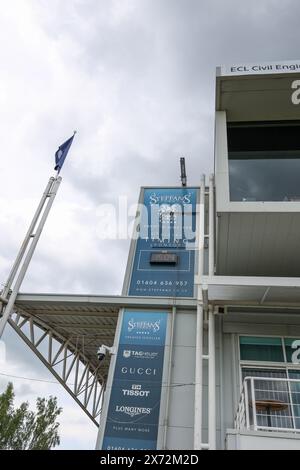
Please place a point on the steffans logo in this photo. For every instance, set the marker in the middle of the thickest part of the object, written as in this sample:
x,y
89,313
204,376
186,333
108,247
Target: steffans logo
x,y
153,327
170,198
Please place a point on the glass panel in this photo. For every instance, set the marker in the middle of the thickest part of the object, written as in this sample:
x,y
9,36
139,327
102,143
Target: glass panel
x,y
254,348
295,393
288,342
253,177
271,397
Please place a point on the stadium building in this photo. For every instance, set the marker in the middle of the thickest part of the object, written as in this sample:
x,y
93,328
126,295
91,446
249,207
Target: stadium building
x,y
202,349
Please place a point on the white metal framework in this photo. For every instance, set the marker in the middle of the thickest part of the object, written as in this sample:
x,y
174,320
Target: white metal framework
x,y
64,332
66,361
269,404
205,317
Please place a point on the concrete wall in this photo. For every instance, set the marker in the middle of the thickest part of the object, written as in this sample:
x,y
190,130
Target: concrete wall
x,y
258,440
181,411
180,433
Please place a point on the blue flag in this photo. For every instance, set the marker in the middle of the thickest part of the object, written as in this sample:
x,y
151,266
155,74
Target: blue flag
x,y
62,152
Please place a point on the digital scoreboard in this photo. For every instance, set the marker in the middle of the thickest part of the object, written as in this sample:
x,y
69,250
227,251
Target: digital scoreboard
x,y
164,258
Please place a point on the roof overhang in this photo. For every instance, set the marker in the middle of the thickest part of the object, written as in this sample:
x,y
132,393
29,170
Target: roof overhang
x,y
257,92
87,321
252,291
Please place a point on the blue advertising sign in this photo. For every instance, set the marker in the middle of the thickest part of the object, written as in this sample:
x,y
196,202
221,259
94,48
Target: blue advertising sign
x,y
134,406
165,257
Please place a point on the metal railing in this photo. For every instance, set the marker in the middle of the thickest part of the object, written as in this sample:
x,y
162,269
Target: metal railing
x,y
269,404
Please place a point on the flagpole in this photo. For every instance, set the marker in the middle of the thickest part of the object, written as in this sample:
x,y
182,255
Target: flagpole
x,y
26,241
44,209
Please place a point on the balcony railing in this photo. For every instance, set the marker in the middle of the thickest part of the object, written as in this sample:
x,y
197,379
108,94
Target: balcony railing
x,y
269,404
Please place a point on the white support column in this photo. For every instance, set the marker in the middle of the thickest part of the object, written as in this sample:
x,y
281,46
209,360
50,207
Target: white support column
x,y
211,328
211,381
211,227
199,325
8,309
169,378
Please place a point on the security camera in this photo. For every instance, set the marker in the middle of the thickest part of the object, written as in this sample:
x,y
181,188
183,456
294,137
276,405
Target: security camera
x,y
103,349
101,353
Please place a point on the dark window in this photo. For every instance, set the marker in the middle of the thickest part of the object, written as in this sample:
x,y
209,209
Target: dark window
x,y
264,161
255,348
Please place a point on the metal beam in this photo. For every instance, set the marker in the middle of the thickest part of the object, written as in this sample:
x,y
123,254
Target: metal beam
x,y
99,302
89,396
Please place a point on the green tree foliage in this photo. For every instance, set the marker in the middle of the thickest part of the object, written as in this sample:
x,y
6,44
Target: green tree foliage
x,y
21,428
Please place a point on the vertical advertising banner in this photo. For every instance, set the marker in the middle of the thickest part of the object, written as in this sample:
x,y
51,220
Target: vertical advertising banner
x,y
134,406
164,259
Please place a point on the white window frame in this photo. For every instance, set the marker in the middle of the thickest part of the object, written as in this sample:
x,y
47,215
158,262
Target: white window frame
x,y
283,366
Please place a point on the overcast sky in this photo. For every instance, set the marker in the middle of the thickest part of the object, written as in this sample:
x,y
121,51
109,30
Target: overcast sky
x,y
136,79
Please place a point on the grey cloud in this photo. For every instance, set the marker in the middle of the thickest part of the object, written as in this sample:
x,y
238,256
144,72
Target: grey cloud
x,y
24,390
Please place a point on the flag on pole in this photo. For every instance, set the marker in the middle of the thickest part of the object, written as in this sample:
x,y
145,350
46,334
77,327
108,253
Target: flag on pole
x,y
62,152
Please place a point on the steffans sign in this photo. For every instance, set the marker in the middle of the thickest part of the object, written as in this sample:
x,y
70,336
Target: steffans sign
x,y
261,68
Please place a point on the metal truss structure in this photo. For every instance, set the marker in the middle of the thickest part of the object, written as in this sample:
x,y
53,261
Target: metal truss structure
x,y
65,360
